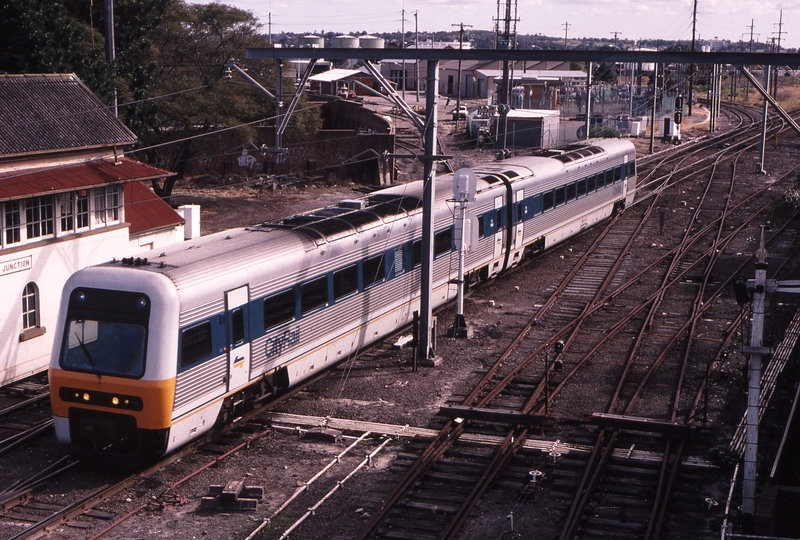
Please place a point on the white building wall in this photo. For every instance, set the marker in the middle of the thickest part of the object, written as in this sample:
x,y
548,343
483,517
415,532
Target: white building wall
x,y
48,264
140,245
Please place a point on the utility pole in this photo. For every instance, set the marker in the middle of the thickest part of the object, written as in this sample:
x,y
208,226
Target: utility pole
x,y
691,67
110,48
403,46
756,350
507,42
653,110
426,354
751,28
458,83
566,26
416,45
615,37
269,26
775,77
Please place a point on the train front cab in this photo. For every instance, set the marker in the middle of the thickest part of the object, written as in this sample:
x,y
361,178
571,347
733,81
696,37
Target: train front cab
x,y
108,391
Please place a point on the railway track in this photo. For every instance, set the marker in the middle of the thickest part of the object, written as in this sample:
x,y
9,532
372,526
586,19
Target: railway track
x,y
24,412
631,304
634,463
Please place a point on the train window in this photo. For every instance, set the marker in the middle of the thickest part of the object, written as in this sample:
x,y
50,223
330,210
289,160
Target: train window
x,y
237,326
345,282
581,187
617,174
547,201
416,253
571,192
500,218
373,270
442,242
278,309
314,294
631,168
601,180
591,184
104,347
195,343
481,227
534,205
559,196
521,210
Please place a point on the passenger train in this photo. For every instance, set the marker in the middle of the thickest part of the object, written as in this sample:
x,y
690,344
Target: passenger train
x,y
150,354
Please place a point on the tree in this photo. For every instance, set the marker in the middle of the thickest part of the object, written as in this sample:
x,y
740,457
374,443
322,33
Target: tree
x,y
162,47
190,50
58,36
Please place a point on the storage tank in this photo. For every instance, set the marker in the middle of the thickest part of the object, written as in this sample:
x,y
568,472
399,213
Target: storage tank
x,y
345,42
371,42
311,42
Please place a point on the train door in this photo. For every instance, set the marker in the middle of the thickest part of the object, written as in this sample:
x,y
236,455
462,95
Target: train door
x,y
499,245
238,340
518,220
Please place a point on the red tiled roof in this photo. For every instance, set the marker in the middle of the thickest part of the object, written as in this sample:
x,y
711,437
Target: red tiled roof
x,y
146,211
57,179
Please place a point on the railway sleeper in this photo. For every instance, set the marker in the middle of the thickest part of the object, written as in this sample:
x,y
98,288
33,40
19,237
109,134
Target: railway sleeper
x,y
629,470
401,535
413,519
627,502
452,478
434,508
428,493
610,524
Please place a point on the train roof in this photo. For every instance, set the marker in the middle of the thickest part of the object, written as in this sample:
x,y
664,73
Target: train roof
x,y
265,244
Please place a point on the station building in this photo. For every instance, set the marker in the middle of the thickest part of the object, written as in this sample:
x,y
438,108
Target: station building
x,y
69,198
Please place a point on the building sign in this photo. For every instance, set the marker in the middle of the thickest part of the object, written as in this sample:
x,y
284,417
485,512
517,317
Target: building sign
x,y
16,265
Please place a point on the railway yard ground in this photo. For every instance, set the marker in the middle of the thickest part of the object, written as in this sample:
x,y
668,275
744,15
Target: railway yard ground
x,y
379,394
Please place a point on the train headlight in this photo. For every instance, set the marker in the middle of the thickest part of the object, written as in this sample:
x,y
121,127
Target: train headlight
x,y
101,399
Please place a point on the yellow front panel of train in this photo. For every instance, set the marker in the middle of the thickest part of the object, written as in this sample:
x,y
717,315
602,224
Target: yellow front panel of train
x,y
150,402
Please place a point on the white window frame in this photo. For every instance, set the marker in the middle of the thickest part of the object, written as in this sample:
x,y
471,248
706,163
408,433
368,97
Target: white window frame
x,y
42,220
30,307
31,313
107,205
5,212
68,208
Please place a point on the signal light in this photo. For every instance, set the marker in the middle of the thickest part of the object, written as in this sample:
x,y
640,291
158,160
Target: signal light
x,y
679,102
678,117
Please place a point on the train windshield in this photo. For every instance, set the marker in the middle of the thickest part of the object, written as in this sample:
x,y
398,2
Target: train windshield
x,y
104,347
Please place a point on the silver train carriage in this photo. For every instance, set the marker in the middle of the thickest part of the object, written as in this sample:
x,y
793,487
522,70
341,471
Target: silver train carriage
x,y
151,354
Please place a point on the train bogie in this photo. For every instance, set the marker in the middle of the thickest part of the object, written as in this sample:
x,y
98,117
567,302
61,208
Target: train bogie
x,y
152,354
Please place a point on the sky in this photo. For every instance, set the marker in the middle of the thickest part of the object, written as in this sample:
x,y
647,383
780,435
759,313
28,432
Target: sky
x,y
631,19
